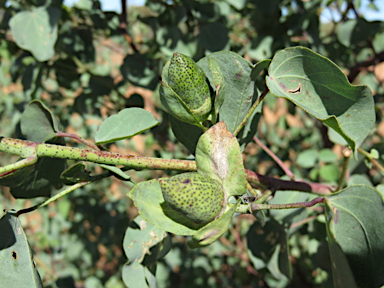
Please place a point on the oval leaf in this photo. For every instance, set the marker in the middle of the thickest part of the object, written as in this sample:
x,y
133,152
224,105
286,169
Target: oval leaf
x,y
126,124
36,31
318,86
235,71
17,266
218,156
355,222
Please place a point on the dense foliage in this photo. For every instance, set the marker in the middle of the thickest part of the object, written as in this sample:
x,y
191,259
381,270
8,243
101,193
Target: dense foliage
x,y
311,139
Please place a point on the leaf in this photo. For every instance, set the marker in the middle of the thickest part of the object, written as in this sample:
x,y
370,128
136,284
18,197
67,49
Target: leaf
x,y
354,223
218,156
356,31
38,124
36,31
118,173
318,86
136,275
140,70
341,270
17,268
239,87
187,134
44,178
259,66
218,82
148,198
126,124
75,174
213,230
140,239
16,177
265,241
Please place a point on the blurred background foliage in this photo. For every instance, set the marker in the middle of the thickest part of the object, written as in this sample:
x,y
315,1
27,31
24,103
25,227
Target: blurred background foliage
x,y
90,63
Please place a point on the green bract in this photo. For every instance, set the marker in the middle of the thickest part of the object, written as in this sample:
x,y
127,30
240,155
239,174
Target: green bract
x,y
184,91
197,197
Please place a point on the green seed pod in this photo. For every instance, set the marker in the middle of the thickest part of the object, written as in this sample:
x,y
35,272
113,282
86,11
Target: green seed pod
x,y
185,87
198,198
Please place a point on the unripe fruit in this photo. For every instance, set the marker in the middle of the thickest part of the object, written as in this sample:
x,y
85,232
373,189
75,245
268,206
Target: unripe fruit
x,y
197,197
185,80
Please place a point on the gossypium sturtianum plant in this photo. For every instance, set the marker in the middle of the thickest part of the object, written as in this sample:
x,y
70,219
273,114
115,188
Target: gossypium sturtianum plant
x,y
184,90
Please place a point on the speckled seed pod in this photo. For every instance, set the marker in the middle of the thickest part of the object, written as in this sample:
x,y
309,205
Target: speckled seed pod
x,y
197,197
188,81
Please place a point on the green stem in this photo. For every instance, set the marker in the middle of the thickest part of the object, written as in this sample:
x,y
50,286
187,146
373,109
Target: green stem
x,y
244,208
343,172
18,165
250,112
15,146
27,149
54,198
370,158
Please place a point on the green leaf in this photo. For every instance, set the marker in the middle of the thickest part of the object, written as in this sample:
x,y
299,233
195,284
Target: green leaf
x,y
218,82
75,174
126,124
139,69
265,241
307,158
140,239
17,268
44,178
329,172
239,87
327,156
341,271
218,156
187,134
318,86
148,198
213,230
354,222
38,124
356,31
16,177
36,31
136,275
259,66
118,173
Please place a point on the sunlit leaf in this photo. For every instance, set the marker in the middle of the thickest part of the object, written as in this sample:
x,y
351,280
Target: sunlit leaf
x,y
318,86
126,124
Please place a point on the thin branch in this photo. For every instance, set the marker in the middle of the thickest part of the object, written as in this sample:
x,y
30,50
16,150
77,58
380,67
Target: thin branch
x,y
244,208
78,138
54,198
277,184
346,153
370,158
275,158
